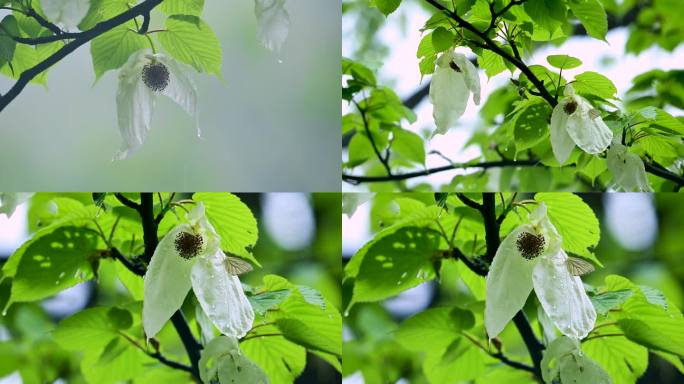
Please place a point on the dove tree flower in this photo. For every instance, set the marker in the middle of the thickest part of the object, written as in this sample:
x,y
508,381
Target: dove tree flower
x,y
563,360
455,78
142,78
629,173
574,121
67,13
531,257
189,256
273,23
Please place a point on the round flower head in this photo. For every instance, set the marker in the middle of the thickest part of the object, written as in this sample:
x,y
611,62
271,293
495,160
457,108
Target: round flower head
x,y
273,23
629,173
531,257
189,256
141,79
574,121
454,79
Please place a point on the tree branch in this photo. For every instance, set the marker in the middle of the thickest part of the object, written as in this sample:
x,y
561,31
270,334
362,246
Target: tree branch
x,y
192,347
149,225
491,225
80,39
492,46
484,165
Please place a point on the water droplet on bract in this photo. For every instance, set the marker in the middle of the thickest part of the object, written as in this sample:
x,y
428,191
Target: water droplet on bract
x,y
280,61
346,313
4,312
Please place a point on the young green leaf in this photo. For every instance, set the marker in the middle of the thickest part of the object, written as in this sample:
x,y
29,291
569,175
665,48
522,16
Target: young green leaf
x,y
563,61
191,40
387,6
182,7
112,49
592,16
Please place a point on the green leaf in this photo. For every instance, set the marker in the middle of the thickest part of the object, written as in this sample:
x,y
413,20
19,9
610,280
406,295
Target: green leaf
x,y
442,39
531,125
408,145
191,40
267,300
282,360
112,49
563,61
101,10
592,16
575,221
547,14
120,318
492,63
624,360
649,336
654,296
182,7
593,83
387,6
397,262
593,168
8,27
604,302
89,329
434,328
54,262
233,222
301,333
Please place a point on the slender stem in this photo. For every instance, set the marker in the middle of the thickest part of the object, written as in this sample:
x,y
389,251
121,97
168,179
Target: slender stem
x,y
260,335
157,355
498,355
382,159
603,335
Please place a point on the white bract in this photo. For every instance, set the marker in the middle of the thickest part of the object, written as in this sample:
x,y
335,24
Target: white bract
x,y
9,201
67,13
273,23
629,173
531,257
575,122
454,79
143,77
190,256
564,360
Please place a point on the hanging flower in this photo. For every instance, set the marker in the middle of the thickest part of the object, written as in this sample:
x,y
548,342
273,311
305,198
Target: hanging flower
x,y
629,173
531,257
189,256
273,23
575,122
9,201
143,77
564,360
67,13
454,79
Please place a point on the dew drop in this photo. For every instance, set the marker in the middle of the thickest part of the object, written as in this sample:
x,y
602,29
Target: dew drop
x,y
280,61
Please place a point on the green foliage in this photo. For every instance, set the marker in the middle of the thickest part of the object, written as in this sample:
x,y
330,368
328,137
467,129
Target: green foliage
x,y
112,49
387,6
182,7
592,16
191,40
8,27
563,61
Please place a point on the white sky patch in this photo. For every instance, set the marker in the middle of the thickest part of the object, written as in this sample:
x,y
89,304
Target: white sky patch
x,y
13,231
631,219
289,219
400,71
356,230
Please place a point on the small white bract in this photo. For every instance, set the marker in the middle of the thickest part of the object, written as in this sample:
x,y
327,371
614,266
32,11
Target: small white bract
x,y
273,23
629,173
531,257
564,360
189,255
141,78
67,13
10,200
454,79
574,121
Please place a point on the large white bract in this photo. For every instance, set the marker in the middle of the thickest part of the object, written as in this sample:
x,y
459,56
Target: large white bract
x,y
135,99
629,173
67,13
273,23
173,270
515,271
455,78
563,360
575,121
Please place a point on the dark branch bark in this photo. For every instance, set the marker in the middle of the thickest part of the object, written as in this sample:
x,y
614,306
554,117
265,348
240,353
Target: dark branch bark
x,y
149,225
491,225
485,165
534,347
82,38
192,347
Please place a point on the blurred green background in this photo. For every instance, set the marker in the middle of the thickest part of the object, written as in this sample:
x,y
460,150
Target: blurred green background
x,y
299,238
641,238
270,127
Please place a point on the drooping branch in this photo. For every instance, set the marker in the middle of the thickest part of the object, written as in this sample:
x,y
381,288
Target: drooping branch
x,y
409,175
79,39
